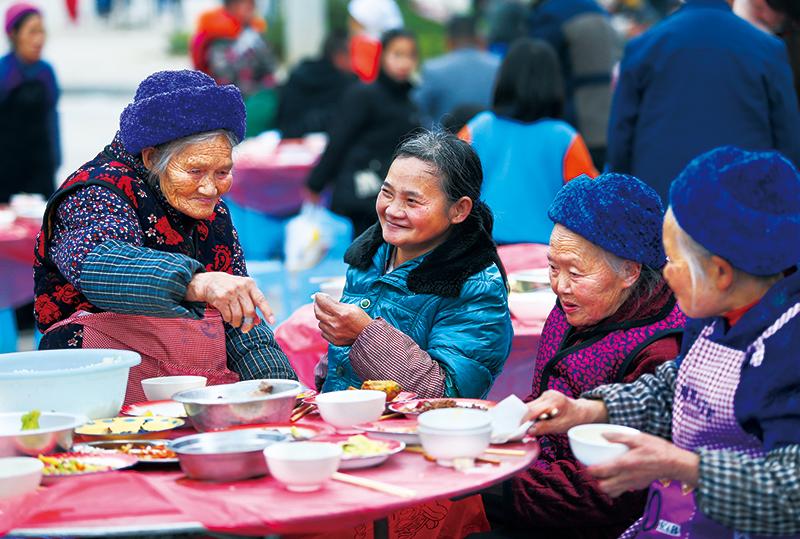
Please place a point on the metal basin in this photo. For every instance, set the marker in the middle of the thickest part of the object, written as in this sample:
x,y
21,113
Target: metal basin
x,y
53,436
225,456
229,405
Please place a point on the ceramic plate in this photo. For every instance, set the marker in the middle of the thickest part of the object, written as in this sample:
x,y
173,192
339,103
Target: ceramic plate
x,y
145,451
401,397
402,430
91,464
167,408
418,406
353,462
298,432
128,428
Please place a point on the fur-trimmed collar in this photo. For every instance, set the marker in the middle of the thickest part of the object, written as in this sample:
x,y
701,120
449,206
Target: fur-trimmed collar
x,y
444,270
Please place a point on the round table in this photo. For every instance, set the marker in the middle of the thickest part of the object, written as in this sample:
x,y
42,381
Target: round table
x,y
153,502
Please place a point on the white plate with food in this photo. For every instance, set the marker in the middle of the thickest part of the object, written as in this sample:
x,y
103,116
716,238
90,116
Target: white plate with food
x,y
402,430
419,406
166,408
64,465
129,428
360,451
145,451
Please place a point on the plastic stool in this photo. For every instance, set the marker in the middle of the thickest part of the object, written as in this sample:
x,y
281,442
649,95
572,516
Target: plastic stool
x,y
8,331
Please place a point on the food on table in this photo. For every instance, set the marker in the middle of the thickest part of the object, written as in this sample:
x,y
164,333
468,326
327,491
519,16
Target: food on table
x,y
264,388
361,446
148,451
395,429
30,421
390,387
420,406
67,466
128,425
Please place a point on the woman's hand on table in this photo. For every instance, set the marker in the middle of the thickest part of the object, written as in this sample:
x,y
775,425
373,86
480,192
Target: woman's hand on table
x,y
340,323
236,298
650,458
562,413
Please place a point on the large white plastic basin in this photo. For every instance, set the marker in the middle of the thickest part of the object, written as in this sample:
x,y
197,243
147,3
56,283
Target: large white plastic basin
x,y
90,382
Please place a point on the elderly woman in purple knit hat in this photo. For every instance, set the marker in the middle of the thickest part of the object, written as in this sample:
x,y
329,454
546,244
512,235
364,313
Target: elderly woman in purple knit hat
x,y
29,140
137,250
720,440
615,320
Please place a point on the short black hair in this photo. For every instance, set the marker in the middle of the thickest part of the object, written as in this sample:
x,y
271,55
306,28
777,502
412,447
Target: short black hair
x,y
335,43
790,8
462,28
397,33
529,84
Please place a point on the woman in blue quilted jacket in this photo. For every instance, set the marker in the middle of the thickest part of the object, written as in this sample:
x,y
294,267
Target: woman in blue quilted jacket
x,y
426,300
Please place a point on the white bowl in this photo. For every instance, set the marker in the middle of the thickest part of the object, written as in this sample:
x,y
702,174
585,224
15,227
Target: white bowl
x,y
88,382
455,419
19,475
164,387
347,408
590,447
303,466
446,446
54,434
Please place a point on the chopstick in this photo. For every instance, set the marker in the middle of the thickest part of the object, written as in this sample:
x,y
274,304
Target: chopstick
x,y
506,452
419,450
301,412
402,492
390,416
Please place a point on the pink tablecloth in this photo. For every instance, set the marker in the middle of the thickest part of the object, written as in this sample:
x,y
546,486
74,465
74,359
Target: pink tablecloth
x,y
302,341
257,507
16,261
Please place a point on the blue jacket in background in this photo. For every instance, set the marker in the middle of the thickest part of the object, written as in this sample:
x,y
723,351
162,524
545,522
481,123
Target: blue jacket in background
x,y
703,78
469,335
461,77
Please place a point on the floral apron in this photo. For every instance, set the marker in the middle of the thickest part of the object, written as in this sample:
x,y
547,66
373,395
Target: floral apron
x,y
703,416
168,346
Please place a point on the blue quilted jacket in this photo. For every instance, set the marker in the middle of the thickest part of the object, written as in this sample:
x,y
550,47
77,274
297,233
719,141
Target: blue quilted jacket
x,y
469,335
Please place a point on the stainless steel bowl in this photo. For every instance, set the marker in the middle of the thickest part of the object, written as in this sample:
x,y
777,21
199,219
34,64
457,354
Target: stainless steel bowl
x,y
53,436
229,405
225,456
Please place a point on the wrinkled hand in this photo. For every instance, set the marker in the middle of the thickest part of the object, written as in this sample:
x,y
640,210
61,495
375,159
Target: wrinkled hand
x,y
236,298
568,413
649,458
340,323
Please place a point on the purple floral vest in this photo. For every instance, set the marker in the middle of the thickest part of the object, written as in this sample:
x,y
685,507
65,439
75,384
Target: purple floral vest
x,y
603,358
165,229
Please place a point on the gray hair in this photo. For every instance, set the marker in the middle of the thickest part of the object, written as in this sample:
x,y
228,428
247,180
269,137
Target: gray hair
x,y
649,281
695,254
166,152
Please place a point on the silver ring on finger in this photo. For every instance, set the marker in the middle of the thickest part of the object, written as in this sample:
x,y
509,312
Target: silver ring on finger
x,y
247,321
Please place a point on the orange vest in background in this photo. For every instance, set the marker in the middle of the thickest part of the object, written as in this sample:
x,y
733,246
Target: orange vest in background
x,y
365,56
213,25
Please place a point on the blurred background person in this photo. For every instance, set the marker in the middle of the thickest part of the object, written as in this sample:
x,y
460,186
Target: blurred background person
x,y
29,137
527,152
228,46
371,121
507,23
368,21
308,100
702,78
588,48
463,76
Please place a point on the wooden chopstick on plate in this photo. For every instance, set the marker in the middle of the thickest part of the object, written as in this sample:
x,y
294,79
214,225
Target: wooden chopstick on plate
x,y
393,415
301,412
506,452
419,450
380,486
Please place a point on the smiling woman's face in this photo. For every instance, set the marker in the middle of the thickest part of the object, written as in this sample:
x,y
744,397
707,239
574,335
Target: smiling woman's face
x,y
197,177
588,288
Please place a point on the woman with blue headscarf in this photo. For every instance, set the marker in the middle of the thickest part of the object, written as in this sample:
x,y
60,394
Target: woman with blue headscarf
x,y
29,143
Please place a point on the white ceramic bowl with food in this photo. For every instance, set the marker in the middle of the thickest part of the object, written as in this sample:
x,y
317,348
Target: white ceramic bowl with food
x,y
88,382
590,447
19,476
164,387
303,466
54,435
347,408
454,433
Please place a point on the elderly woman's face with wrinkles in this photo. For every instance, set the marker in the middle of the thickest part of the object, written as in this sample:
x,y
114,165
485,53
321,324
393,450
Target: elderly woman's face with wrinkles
x,y
197,177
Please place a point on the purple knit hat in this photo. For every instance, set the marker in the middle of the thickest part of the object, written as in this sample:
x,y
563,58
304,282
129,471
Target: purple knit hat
x,y
169,105
17,11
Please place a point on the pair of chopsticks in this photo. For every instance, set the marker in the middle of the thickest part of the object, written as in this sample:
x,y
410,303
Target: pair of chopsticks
x,y
489,451
301,411
380,486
